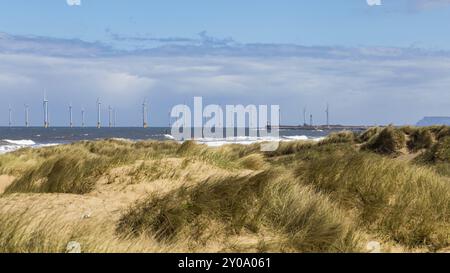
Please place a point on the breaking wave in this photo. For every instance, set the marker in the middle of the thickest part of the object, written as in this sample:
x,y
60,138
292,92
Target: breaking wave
x,y
217,142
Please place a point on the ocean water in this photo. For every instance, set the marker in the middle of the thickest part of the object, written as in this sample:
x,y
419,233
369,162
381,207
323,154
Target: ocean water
x,y
15,138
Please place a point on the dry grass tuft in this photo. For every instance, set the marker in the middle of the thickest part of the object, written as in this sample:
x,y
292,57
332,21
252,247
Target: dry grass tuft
x,y
253,162
339,137
420,139
249,204
388,141
369,134
409,204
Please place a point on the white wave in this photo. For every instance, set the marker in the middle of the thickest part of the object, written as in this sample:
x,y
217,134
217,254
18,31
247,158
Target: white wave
x,y
46,145
169,137
296,138
22,142
245,140
8,146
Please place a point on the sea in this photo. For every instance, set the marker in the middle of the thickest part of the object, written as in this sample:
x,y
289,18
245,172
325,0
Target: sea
x,y
15,138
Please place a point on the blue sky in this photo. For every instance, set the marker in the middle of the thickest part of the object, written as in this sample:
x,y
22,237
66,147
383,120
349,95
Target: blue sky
x,y
373,64
320,22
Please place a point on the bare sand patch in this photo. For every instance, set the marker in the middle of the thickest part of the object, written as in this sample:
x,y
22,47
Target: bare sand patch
x,y
5,181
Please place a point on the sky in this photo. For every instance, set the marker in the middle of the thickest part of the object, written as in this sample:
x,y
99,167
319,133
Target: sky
x,y
373,61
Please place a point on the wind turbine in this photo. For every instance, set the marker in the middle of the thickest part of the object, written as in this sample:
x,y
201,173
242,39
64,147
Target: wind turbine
x,y
99,124
145,114
27,123
110,116
70,116
9,116
82,117
46,115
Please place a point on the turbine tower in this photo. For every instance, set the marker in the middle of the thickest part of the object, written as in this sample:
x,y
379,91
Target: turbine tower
x,y
99,124
27,114
328,115
9,116
70,116
144,114
170,120
45,105
110,116
279,119
82,117
311,120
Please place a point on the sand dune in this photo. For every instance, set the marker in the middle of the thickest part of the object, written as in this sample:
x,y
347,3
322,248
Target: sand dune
x,y
348,193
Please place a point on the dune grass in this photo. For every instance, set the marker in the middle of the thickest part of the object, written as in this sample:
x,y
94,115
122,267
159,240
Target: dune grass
x,y
75,168
409,204
420,139
388,141
331,196
368,134
339,137
31,230
307,221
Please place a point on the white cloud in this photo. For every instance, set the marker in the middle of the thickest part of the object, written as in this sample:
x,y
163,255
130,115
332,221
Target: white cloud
x,y
374,2
364,85
74,2
117,84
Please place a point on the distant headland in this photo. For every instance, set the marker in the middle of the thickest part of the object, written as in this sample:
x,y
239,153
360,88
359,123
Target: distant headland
x,y
430,121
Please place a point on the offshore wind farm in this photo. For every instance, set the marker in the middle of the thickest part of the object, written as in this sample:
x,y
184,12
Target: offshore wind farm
x,y
145,114
16,136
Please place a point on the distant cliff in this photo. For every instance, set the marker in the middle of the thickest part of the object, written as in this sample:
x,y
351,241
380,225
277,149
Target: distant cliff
x,y
429,121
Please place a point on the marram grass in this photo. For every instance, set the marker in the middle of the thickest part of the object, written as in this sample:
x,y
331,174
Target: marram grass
x,y
386,184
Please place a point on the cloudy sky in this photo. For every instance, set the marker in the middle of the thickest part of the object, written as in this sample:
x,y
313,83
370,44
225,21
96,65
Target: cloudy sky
x,y
374,64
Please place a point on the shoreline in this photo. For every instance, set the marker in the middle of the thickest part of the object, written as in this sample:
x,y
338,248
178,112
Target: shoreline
x,y
14,145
